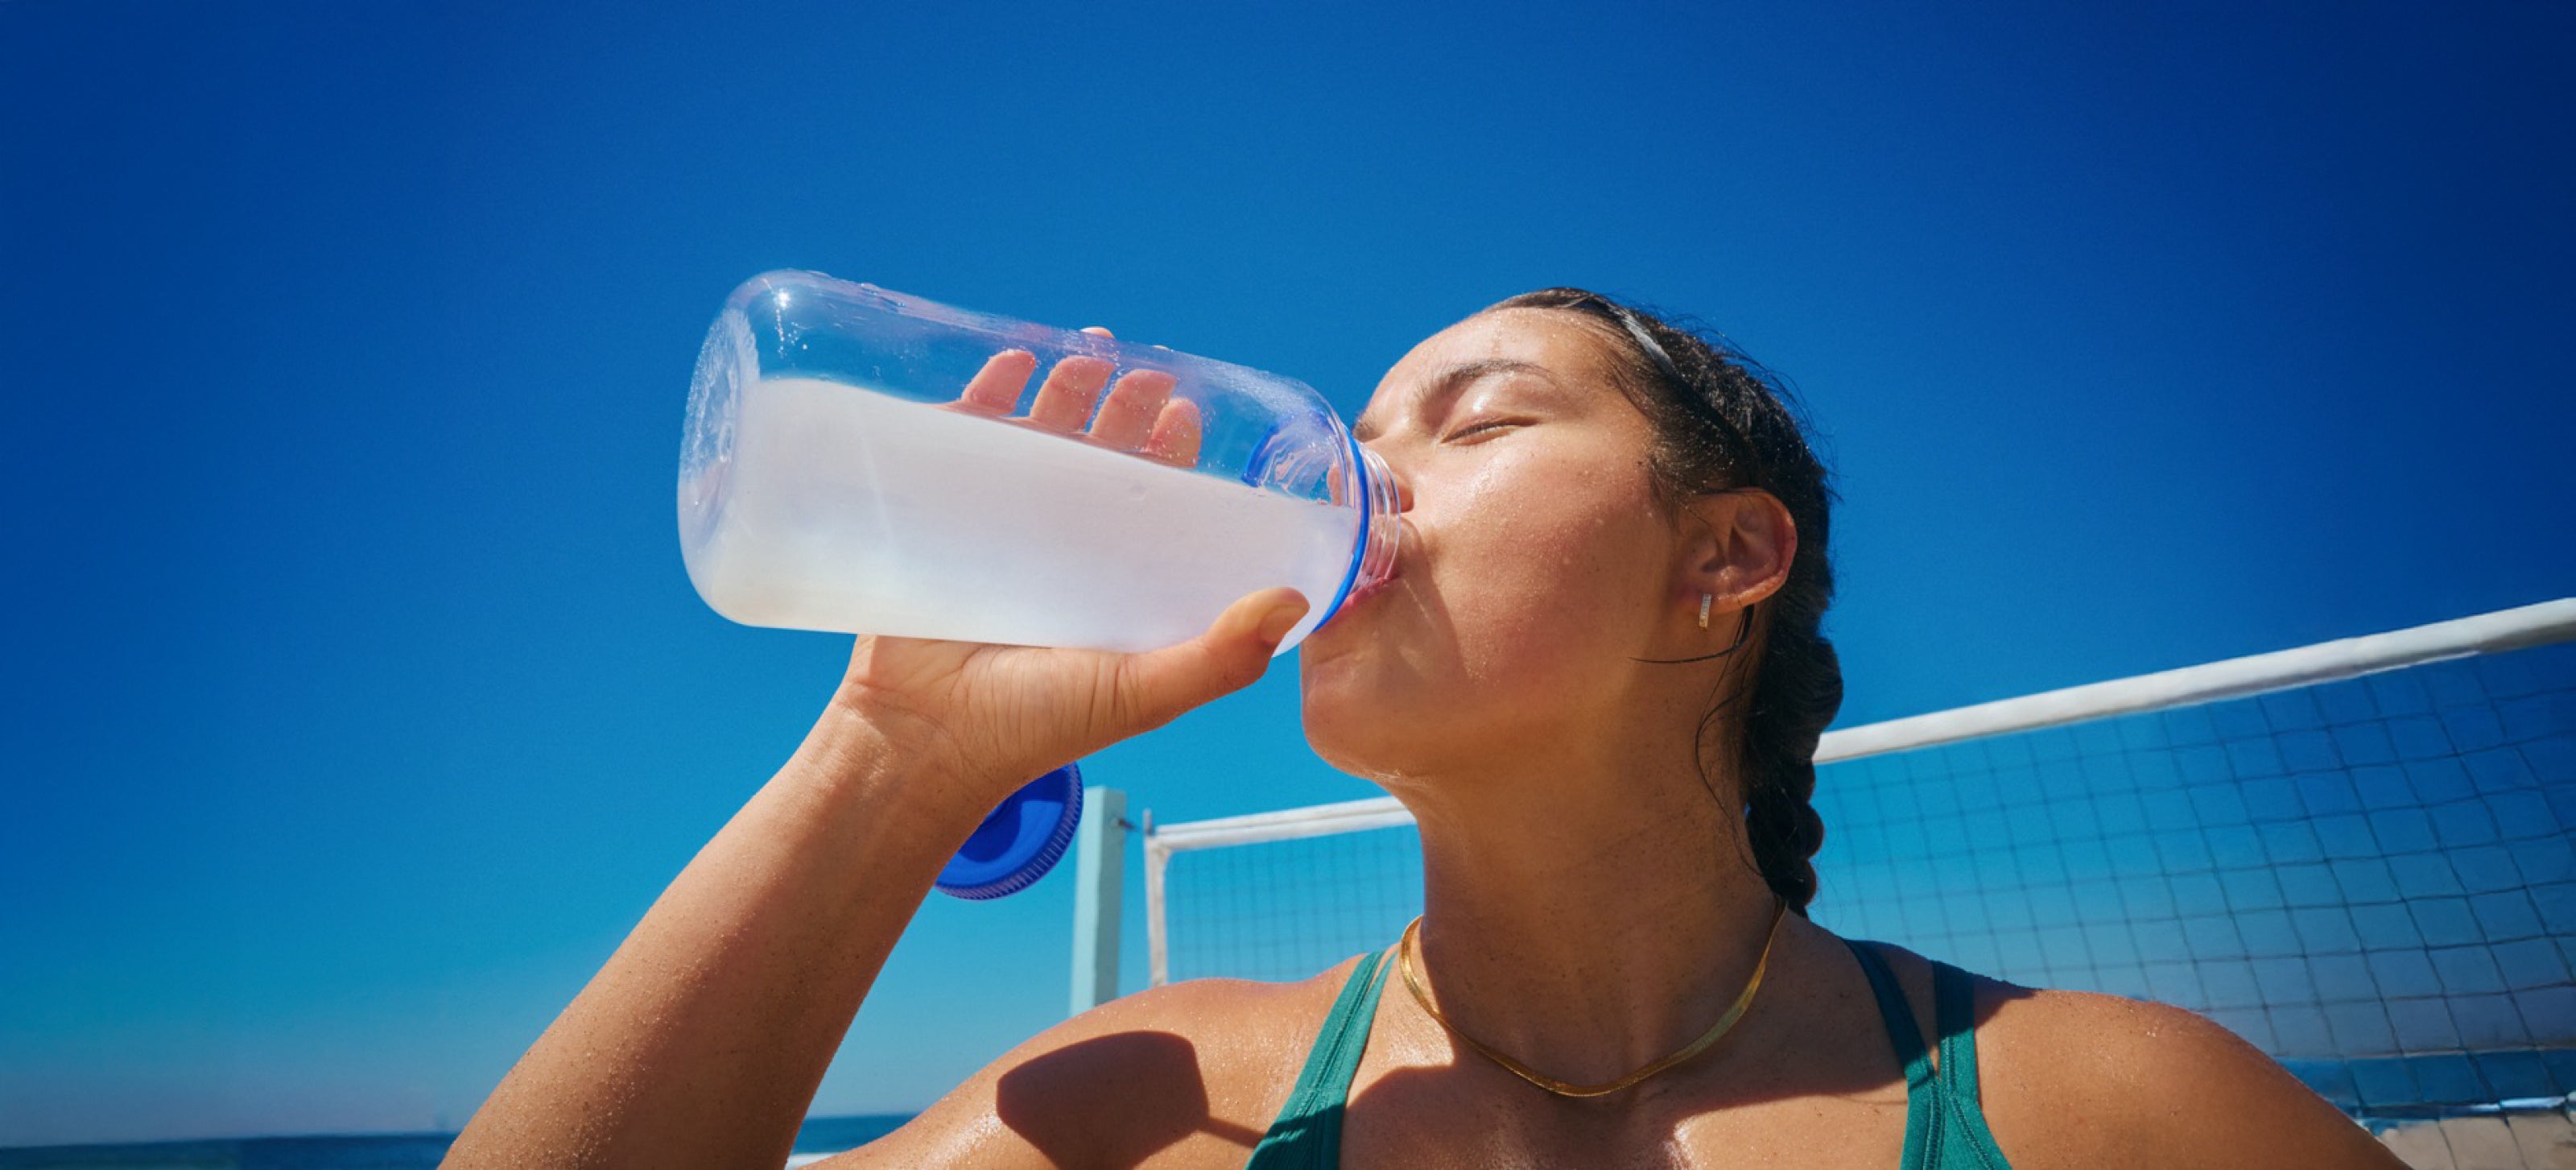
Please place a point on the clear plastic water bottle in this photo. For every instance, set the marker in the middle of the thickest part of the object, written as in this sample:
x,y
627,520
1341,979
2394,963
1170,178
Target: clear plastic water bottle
x,y
862,461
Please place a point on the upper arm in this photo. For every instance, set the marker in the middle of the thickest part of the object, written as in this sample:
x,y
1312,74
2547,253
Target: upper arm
x,y
1162,1072
2174,1089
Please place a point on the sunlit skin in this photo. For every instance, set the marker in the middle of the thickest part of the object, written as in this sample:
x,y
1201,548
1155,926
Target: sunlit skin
x,y
1589,903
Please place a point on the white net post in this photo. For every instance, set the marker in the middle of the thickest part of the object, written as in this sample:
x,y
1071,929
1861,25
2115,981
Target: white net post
x,y
1323,820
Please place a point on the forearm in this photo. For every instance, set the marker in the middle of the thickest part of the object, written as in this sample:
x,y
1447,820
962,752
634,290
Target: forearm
x,y
703,1039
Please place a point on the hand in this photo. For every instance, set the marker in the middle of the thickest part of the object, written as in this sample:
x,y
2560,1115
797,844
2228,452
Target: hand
x,y
1141,415
995,717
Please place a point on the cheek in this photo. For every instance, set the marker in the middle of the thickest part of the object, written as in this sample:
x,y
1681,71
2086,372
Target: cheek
x,y
1543,567
1532,581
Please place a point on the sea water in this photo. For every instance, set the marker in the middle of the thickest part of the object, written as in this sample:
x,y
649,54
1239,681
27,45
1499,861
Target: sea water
x,y
820,1138
848,510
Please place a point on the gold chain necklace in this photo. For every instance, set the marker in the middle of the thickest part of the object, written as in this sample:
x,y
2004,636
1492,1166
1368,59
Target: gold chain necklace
x,y
1404,954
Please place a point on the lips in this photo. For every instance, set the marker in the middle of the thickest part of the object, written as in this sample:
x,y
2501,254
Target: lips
x,y
1371,589
1352,602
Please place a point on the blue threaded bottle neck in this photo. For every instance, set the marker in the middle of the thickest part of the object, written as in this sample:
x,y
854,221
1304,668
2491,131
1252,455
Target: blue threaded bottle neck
x,y
1380,528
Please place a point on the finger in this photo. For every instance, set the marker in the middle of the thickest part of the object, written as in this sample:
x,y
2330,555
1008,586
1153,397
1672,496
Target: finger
x,y
1099,331
1127,419
995,389
1176,434
1064,402
1151,689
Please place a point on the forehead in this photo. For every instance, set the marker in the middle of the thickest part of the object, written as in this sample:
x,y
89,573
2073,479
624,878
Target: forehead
x,y
1561,344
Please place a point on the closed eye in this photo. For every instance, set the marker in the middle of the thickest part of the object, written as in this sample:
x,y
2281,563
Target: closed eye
x,y
1480,428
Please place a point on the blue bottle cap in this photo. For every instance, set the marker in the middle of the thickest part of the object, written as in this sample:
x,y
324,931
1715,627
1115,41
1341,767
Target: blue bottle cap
x,y
1019,842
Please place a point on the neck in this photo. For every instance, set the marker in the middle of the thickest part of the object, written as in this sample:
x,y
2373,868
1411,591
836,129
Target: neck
x,y
1587,936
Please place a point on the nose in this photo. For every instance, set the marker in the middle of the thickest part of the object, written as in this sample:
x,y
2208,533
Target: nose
x,y
1395,477
1403,489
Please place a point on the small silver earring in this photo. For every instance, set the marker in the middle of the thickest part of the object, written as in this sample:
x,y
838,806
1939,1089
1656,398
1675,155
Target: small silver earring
x,y
1704,599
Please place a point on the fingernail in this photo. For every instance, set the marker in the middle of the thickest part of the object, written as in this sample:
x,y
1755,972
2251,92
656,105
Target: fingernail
x,y
1276,624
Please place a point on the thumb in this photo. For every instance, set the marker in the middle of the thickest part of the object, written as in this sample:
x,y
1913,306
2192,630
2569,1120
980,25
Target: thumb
x,y
1155,687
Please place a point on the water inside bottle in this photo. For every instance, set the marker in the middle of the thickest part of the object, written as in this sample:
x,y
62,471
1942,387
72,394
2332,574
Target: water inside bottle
x,y
854,511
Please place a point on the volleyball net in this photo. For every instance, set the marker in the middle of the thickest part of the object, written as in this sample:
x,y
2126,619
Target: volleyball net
x,y
2359,855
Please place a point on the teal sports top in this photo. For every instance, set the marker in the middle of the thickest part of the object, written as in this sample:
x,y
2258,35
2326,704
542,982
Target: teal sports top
x,y
1945,1129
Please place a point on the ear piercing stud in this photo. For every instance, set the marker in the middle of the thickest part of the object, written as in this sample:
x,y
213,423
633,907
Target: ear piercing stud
x,y
1704,599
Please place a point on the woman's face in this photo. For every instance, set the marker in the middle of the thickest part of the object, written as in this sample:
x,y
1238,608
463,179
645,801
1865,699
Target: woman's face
x,y
1534,561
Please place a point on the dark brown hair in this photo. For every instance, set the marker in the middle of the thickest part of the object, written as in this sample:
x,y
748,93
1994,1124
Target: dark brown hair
x,y
1723,423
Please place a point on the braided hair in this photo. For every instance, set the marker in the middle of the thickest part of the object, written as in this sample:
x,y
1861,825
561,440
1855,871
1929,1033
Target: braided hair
x,y
1723,423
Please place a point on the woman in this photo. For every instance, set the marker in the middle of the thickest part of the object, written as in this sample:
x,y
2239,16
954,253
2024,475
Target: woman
x,y
1596,681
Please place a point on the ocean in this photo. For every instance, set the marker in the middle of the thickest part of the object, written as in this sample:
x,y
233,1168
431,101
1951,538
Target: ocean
x,y
821,1136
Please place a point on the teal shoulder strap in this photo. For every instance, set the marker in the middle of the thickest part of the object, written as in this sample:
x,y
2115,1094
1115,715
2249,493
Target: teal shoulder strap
x,y
1945,1128
1964,1139
1308,1133
1922,1108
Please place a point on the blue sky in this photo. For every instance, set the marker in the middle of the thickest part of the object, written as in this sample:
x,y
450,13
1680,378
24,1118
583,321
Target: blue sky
x,y
360,703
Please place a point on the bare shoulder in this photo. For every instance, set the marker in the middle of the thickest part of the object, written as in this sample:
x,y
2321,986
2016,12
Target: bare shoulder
x,y
1180,1075
2080,1078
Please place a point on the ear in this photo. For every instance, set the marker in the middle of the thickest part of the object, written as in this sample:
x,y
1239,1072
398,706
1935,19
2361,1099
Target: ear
x,y
1737,547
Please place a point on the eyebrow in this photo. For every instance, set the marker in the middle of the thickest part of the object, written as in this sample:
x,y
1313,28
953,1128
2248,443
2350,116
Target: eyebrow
x,y
1448,382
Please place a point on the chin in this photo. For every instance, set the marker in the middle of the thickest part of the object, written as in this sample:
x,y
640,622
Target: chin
x,y
1350,718
1369,717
